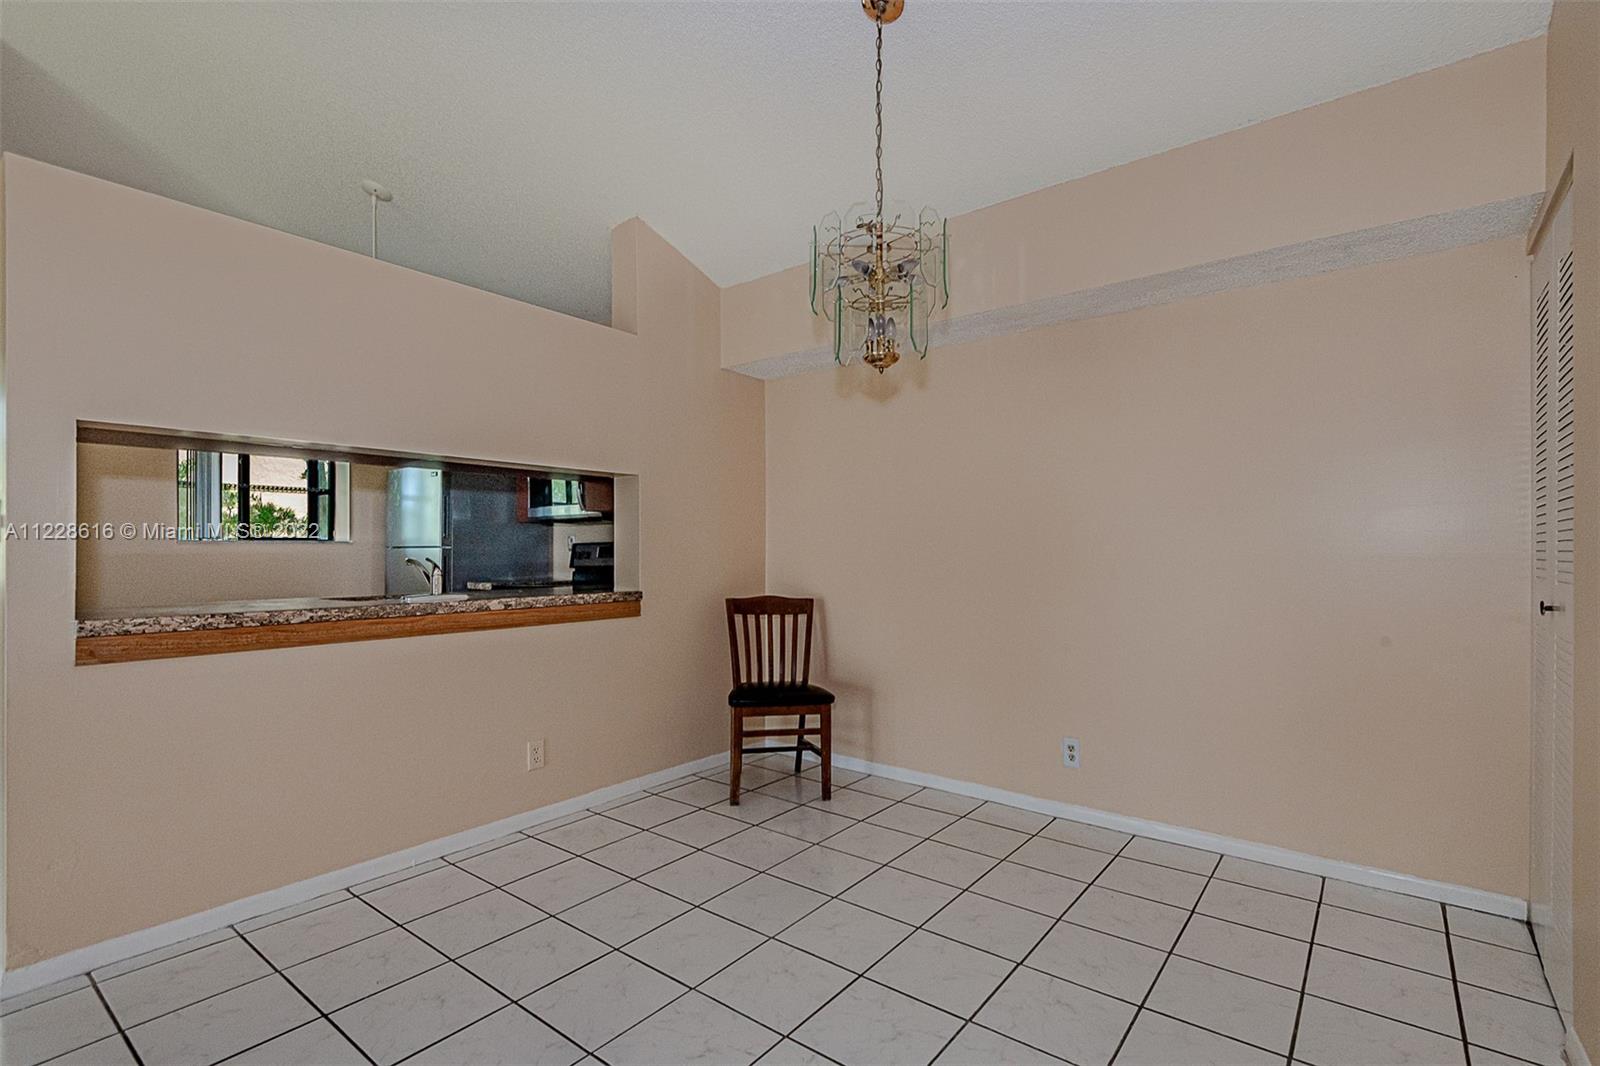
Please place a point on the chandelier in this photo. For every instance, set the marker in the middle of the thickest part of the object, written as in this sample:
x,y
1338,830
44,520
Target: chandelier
x,y
878,275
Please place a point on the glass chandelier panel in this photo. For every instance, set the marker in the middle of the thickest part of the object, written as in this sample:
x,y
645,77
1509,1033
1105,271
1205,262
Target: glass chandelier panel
x,y
878,272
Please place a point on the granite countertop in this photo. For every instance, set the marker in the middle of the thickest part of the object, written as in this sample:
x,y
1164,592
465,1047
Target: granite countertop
x,y
244,613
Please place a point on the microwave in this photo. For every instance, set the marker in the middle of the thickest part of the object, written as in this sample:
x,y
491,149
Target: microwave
x,y
560,498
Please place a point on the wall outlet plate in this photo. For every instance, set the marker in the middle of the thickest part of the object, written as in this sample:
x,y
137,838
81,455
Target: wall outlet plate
x,y
1071,753
536,754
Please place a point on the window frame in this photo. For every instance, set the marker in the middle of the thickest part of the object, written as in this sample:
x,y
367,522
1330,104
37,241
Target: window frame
x,y
322,488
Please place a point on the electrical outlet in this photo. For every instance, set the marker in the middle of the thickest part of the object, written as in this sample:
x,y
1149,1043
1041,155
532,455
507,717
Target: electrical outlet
x,y
1071,753
536,754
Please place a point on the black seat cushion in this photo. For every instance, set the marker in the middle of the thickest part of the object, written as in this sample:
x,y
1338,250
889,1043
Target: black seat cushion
x,y
779,696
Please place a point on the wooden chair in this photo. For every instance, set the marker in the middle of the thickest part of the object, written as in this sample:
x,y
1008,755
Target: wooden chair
x,y
772,676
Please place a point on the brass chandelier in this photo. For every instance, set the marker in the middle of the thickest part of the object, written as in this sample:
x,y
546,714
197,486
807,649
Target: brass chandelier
x,y
877,275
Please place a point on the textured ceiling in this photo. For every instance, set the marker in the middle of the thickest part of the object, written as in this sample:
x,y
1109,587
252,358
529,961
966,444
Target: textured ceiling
x,y
515,135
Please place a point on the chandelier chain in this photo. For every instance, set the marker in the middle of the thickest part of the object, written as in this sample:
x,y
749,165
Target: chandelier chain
x,y
878,280
878,131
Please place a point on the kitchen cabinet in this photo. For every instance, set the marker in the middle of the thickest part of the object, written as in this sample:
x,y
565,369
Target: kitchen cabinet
x,y
598,495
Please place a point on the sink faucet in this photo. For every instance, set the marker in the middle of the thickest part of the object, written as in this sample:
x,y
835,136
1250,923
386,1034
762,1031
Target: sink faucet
x,y
432,573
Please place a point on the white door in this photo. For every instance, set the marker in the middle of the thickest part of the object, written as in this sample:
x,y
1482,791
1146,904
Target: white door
x,y
1554,486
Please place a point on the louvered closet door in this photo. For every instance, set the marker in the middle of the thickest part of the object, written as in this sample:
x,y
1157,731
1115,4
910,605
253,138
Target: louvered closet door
x,y
1554,488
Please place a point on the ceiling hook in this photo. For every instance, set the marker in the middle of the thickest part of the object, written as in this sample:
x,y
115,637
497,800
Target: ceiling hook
x,y
377,193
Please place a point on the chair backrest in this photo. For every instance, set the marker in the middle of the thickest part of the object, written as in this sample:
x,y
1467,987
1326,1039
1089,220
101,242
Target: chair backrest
x,y
765,641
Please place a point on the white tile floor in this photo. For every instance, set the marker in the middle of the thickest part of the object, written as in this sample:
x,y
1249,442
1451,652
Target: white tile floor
x,y
890,925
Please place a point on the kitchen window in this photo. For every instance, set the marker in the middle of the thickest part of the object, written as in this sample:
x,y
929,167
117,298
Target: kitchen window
x,y
240,496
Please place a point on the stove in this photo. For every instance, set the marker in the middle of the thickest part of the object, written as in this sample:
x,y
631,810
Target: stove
x,y
593,564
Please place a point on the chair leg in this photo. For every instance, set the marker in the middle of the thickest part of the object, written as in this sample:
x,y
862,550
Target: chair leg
x,y
827,752
799,744
735,754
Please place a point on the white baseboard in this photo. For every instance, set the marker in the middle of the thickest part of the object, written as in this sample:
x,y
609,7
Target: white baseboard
x,y
84,959
1459,895
1576,1055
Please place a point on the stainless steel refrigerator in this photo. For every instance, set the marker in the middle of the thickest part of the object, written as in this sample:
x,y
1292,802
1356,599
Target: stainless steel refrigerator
x,y
419,528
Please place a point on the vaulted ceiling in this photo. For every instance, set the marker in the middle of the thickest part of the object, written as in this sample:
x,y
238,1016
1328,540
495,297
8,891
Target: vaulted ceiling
x,y
515,135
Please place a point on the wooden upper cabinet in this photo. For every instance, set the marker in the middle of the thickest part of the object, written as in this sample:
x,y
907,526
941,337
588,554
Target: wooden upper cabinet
x,y
598,495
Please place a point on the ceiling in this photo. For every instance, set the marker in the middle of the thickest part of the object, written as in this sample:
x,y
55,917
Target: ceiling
x,y
515,135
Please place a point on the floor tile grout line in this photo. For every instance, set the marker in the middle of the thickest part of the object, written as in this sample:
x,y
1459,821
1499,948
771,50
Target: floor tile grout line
x,y
1135,1003
1144,1001
923,926
415,870
856,977
1491,944
1216,874
393,925
325,1015
115,1021
298,914
1549,989
1455,985
1505,1054
48,999
1306,995
542,916
1450,940
1138,1011
444,960
886,865
1380,1014
90,975
1147,899
1305,973
1214,1032
1439,976
1385,917
1078,923
688,989
1018,964
447,864
1138,1008
202,999
770,937
324,954
260,1043
622,950
1204,914
447,960
512,1002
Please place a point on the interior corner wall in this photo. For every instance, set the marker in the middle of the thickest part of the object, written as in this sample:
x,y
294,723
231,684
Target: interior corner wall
x,y
1573,132
5,497
1265,553
143,792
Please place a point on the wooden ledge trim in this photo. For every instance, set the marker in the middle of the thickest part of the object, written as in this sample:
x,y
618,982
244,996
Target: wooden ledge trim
x,y
136,647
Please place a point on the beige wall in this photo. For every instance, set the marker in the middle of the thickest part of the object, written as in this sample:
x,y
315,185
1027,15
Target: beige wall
x,y
1574,133
1264,553
1463,135
153,790
119,484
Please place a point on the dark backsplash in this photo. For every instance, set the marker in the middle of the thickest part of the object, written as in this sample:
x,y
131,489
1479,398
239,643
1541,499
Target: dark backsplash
x,y
487,543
